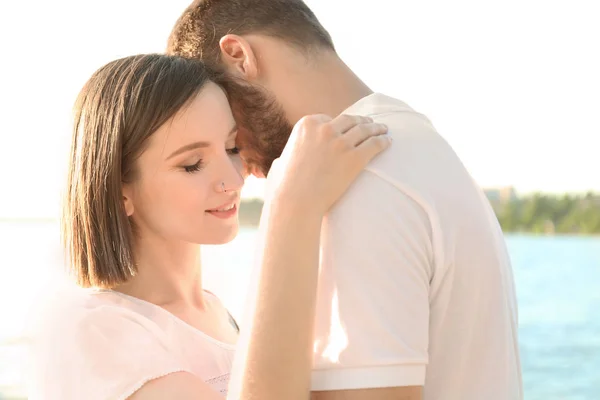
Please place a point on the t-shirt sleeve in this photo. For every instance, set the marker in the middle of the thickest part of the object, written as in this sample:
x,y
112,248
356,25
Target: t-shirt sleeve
x,y
373,300
106,353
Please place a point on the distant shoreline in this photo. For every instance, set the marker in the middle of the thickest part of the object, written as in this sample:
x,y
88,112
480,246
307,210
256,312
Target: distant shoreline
x,y
254,225
564,215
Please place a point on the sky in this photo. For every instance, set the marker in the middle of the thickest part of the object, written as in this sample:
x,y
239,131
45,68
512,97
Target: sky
x,y
513,85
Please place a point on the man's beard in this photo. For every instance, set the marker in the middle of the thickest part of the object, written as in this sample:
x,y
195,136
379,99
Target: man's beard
x,y
263,129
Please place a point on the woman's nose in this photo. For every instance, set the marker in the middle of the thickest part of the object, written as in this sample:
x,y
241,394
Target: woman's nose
x,y
225,186
231,176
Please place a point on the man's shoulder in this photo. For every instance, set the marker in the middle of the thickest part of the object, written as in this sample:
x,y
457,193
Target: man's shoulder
x,y
377,104
418,160
408,126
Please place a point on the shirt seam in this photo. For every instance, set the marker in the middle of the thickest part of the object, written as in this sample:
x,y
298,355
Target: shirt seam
x,y
385,376
414,364
437,238
398,111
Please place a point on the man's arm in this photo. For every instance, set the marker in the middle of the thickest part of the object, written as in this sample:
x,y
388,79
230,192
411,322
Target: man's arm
x,y
372,324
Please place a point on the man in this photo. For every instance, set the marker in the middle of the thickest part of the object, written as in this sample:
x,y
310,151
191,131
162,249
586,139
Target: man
x,y
416,296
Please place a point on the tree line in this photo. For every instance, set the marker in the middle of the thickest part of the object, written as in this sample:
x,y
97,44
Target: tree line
x,y
545,213
535,213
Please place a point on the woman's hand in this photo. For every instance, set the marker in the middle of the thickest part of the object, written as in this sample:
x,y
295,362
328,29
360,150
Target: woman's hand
x,y
328,154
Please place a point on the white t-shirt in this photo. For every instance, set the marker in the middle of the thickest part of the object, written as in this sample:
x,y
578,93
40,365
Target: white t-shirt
x,y
415,286
104,345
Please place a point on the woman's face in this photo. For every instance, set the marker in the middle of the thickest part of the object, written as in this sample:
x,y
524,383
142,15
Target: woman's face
x,y
188,181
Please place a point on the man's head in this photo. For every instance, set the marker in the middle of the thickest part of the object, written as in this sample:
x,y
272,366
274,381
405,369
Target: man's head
x,y
262,43
205,23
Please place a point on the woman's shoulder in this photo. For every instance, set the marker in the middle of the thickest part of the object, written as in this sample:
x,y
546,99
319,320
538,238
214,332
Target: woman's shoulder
x,y
81,317
75,303
102,339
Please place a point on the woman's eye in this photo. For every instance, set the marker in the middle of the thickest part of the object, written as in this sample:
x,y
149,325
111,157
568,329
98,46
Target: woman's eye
x,y
233,151
193,168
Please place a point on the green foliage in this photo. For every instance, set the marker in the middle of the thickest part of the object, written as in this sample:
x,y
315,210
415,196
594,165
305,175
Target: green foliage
x,y
536,213
543,213
250,211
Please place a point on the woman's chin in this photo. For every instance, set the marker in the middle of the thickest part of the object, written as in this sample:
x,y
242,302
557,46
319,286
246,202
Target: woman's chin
x,y
223,237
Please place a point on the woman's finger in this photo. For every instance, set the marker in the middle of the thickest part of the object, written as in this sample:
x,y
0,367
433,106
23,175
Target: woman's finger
x,y
343,123
371,147
362,132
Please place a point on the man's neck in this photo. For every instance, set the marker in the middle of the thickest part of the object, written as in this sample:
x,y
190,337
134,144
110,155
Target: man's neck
x,y
327,86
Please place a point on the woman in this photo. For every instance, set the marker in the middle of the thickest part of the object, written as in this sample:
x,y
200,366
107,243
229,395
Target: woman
x,y
154,173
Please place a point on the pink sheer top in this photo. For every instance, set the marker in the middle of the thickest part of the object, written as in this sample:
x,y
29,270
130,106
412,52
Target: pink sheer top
x,y
105,345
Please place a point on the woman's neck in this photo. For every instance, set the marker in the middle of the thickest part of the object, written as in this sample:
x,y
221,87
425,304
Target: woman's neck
x,y
168,274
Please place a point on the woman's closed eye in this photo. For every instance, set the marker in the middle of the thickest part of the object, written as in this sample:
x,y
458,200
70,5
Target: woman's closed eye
x,y
233,151
194,167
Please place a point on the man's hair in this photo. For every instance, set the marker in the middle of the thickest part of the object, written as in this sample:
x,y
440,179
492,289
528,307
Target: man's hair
x,y
118,109
198,31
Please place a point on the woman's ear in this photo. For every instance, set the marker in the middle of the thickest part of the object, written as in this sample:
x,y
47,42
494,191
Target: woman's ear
x,y
127,193
238,56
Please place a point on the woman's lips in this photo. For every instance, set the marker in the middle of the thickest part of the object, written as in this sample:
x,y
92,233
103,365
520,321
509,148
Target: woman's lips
x,y
223,212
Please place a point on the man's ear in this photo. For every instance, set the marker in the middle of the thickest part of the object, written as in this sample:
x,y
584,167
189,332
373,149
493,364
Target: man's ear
x,y
238,56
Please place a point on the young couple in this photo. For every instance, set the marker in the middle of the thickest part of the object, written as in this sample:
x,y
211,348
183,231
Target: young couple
x,y
383,273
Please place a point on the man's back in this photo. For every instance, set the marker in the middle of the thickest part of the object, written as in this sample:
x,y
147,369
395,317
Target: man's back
x,y
416,286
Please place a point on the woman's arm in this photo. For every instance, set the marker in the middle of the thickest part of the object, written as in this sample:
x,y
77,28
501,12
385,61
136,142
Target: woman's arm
x,y
178,385
279,356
